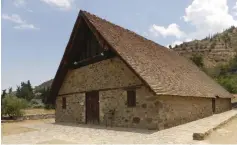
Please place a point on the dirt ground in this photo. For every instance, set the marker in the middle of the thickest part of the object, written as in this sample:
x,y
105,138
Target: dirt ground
x,y
38,111
227,134
18,127
10,128
56,141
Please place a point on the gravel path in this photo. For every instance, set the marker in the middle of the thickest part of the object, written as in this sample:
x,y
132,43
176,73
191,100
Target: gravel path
x,y
227,134
49,132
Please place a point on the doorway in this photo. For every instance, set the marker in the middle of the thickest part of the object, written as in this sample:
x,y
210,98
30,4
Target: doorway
x,y
92,107
213,105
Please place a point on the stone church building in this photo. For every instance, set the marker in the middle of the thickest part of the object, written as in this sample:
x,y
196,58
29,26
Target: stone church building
x,y
112,76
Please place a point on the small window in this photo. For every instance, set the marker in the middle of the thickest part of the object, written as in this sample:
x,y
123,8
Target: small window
x,y
131,98
64,103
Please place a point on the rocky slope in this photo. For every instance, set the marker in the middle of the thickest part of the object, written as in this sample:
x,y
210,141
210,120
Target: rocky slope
x,y
216,49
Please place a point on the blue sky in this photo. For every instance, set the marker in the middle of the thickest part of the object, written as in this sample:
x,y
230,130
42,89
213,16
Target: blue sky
x,y
35,32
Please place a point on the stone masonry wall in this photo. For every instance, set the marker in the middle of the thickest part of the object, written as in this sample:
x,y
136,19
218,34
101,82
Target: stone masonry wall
x,y
75,109
111,73
175,110
223,105
144,115
151,111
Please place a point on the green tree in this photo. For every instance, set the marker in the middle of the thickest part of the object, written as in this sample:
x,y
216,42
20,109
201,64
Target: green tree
x,y
44,94
229,82
4,93
223,70
18,91
25,91
224,75
198,60
12,106
10,90
29,86
233,63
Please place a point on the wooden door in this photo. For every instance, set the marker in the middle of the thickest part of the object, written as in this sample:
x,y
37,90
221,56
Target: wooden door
x,y
92,107
213,105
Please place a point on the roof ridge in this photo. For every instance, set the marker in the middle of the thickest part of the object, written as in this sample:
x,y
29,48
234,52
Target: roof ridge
x,y
130,31
164,71
157,63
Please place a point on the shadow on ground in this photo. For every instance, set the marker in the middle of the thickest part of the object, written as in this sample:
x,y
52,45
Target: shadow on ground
x,y
121,129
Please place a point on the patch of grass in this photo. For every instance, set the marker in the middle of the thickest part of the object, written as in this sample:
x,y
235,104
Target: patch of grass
x,y
13,128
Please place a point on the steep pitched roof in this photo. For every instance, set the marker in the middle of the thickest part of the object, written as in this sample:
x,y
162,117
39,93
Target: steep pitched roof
x,y
163,70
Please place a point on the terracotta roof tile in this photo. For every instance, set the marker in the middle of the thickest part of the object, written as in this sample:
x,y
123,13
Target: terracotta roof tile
x,y
162,69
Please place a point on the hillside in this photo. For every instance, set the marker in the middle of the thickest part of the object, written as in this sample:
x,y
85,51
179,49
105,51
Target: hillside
x,y
46,84
216,49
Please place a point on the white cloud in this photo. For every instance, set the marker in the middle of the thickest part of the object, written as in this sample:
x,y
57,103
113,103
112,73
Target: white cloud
x,y
29,10
208,17
235,9
205,16
25,26
177,42
13,18
171,30
21,24
62,4
188,40
19,3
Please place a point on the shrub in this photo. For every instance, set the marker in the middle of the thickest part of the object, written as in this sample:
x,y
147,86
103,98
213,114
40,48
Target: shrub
x,y
38,106
36,103
49,106
212,72
229,82
198,60
12,106
233,62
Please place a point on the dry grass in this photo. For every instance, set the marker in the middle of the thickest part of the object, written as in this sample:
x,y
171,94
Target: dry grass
x,y
38,111
19,127
16,128
13,128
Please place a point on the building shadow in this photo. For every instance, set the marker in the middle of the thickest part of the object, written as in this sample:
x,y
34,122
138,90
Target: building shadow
x,y
102,127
